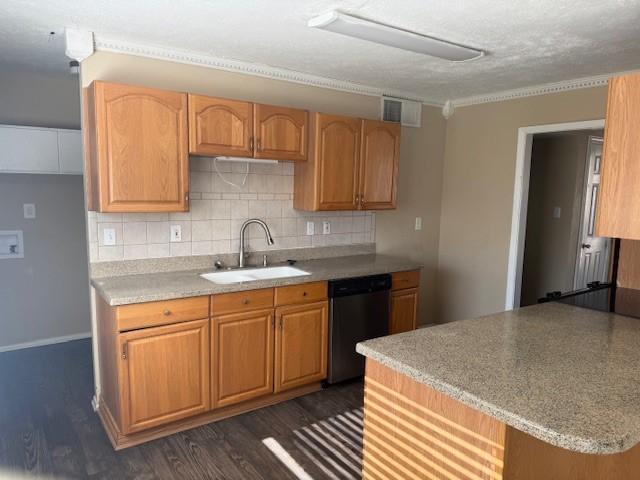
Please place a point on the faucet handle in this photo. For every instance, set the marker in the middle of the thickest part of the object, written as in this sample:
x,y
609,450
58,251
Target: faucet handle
x,y
264,260
218,264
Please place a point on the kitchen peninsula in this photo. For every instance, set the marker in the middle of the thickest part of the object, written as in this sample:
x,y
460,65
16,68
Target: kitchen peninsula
x,y
550,391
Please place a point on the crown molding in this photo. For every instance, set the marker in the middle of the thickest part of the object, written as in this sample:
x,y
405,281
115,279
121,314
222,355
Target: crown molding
x,y
543,89
106,44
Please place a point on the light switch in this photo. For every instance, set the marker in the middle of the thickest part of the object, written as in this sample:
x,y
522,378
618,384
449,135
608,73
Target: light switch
x,y
176,233
557,212
310,228
29,210
326,228
109,236
418,225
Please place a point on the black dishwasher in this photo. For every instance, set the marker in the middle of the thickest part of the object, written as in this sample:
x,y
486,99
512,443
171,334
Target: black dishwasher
x,y
358,310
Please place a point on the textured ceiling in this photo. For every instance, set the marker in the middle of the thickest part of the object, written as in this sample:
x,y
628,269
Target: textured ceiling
x,y
529,42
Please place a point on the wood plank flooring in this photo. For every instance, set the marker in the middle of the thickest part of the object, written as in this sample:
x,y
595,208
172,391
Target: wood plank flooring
x,y
49,430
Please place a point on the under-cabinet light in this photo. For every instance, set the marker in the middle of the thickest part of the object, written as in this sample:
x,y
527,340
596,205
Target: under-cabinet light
x,y
246,160
392,36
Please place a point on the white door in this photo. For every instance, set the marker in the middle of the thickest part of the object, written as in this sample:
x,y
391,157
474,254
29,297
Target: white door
x,y
593,252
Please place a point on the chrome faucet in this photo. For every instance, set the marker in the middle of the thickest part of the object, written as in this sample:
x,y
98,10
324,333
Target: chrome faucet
x,y
242,230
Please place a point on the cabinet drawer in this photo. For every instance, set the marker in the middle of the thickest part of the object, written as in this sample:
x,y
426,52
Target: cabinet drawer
x,y
307,292
152,314
401,280
241,301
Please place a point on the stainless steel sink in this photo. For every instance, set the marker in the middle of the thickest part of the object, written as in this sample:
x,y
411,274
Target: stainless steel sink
x,y
250,275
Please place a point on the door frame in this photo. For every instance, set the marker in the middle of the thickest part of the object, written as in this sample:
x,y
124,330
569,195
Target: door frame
x,y
521,199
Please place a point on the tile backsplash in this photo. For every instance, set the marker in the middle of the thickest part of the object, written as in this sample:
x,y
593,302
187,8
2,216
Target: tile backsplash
x,y
218,209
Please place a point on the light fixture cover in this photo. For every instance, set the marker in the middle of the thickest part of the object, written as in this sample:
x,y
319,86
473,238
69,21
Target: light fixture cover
x,y
392,36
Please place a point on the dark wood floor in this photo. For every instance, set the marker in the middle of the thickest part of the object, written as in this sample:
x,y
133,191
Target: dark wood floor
x,y
48,428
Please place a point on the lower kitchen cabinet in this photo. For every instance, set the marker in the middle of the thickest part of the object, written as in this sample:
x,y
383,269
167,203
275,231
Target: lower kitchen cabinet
x,y
301,345
164,374
242,356
404,310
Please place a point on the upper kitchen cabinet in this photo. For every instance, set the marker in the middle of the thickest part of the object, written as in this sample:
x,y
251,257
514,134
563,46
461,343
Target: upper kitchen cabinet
x,y
380,156
218,126
137,148
619,199
354,165
280,132
233,128
329,180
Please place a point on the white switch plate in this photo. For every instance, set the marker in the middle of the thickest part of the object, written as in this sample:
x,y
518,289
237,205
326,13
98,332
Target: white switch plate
x,y
310,228
109,236
29,210
557,212
176,233
326,227
418,223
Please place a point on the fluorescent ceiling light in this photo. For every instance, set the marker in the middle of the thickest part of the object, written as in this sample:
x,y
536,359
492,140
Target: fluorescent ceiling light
x,y
395,37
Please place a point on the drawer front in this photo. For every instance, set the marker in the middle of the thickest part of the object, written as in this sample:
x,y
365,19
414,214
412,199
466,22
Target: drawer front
x,y
241,301
151,314
307,292
402,280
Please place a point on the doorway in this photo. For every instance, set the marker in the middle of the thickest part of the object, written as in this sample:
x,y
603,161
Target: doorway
x,y
560,207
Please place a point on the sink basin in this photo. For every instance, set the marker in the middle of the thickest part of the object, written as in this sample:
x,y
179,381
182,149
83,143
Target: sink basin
x,y
252,274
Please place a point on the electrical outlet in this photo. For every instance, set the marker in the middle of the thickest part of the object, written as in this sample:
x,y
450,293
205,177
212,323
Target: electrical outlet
x,y
176,233
557,212
29,210
326,228
109,236
310,228
418,223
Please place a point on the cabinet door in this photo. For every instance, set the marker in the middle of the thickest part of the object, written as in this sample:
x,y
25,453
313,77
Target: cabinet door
x,y
242,356
218,126
619,196
337,151
281,133
164,374
404,310
301,345
380,156
142,149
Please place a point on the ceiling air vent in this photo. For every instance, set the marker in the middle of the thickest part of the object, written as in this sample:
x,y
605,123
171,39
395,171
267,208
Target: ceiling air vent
x,y
406,112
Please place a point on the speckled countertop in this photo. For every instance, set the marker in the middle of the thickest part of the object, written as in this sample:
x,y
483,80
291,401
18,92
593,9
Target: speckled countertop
x,y
563,374
123,290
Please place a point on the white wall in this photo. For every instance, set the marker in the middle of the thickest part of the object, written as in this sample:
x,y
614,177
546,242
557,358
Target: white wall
x,y
45,295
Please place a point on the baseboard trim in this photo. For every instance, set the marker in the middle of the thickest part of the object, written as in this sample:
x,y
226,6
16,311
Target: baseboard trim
x,y
45,341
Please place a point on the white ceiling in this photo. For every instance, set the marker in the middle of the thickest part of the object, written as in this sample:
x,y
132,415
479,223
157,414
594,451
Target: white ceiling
x,y
529,42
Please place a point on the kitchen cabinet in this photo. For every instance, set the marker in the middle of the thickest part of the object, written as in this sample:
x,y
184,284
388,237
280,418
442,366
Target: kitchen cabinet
x,y
354,165
619,195
404,310
164,374
379,159
404,301
234,128
242,356
281,133
218,126
138,148
301,345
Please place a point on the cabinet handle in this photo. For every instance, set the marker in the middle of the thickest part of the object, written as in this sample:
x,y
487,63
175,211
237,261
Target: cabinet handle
x,y
258,144
167,312
246,301
125,351
357,199
273,322
251,144
281,323
304,294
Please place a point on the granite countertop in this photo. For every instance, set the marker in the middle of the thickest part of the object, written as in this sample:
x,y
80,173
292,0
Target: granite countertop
x,y
127,289
564,374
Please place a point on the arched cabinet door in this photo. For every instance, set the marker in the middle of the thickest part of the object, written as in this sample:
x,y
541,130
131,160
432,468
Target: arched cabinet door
x,y
380,156
218,126
337,155
141,160
281,133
